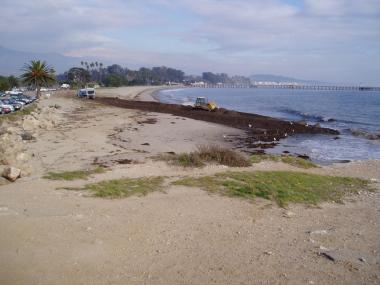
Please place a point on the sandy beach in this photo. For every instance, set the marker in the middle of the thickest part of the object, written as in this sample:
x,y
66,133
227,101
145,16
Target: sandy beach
x,y
181,235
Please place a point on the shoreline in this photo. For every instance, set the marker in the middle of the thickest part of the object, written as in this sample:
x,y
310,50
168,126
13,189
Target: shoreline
x,y
261,132
289,145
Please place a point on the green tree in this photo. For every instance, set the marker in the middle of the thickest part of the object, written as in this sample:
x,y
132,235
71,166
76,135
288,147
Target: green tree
x,y
115,80
4,84
78,76
38,73
13,81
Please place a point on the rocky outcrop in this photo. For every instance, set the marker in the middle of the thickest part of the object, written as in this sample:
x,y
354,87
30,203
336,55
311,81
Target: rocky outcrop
x,y
44,118
14,136
11,173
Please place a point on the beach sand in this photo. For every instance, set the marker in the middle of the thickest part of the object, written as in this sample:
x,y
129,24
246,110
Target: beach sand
x,y
179,236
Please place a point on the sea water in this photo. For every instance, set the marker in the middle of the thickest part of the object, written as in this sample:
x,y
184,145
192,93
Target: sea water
x,y
355,114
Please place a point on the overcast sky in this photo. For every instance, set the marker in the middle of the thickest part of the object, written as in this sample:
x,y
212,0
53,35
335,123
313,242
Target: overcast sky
x,y
329,40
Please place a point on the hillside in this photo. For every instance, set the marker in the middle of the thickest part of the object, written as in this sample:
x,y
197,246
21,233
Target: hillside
x,y
11,61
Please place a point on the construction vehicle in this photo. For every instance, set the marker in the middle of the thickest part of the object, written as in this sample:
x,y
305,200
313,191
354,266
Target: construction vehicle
x,y
204,104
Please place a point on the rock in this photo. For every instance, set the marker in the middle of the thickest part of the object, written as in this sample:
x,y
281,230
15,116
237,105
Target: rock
x,y
362,259
346,255
11,173
27,136
303,156
319,232
288,214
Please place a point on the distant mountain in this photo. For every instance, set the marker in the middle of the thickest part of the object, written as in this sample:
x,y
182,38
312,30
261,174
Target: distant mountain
x,y
11,61
279,78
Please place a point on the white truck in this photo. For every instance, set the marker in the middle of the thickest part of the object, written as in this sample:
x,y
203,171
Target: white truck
x,y
87,93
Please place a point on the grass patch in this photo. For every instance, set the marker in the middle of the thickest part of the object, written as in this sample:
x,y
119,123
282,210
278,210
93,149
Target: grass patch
x,y
207,153
282,187
27,110
288,159
121,188
73,175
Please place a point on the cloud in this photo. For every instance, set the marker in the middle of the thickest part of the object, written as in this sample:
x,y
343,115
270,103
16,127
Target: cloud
x,y
66,24
302,37
268,26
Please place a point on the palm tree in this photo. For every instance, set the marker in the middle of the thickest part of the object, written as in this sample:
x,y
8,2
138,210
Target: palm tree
x,y
38,73
101,70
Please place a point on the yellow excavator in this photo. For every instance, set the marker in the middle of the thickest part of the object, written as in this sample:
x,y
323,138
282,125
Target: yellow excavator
x,y
204,104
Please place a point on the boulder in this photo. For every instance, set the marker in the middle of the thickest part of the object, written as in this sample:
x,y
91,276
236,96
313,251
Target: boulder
x,y
11,173
27,136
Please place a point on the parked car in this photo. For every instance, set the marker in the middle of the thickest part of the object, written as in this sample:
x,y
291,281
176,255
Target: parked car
x,y
14,92
2,94
5,108
23,98
18,101
16,105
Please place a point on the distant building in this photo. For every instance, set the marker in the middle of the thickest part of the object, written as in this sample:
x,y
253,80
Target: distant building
x,y
198,84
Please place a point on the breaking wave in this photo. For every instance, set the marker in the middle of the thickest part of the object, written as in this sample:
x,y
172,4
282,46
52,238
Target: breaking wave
x,y
308,116
365,134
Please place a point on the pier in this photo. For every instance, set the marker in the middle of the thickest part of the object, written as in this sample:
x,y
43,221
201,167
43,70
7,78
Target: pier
x,y
290,86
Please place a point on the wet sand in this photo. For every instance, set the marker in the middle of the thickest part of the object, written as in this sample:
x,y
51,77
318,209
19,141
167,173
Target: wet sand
x,y
260,132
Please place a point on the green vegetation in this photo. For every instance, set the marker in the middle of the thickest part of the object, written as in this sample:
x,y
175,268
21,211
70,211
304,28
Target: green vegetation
x,y
115,80
16,115
121,188
207,153
183,159
78,77
38,73
7,83
292,160
282,187
73,175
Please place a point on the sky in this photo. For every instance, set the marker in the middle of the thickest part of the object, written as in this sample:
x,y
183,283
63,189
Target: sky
x,y
326,40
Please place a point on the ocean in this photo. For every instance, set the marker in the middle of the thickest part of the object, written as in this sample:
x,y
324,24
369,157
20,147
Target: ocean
x,y
355,114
